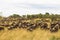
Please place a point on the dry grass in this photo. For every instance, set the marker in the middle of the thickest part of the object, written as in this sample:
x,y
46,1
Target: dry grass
x,y
23,34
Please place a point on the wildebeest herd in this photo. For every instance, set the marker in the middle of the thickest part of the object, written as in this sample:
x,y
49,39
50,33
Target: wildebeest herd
x,y
12,24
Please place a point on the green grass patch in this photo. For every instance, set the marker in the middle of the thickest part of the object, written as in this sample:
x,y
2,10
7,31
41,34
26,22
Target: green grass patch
x,y
54,38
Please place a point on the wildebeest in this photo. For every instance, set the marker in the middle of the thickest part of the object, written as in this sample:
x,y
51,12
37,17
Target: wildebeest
x,y
20,25
23,24
58,24
14,25
1,28
39,23
10,27
32,27
54,27
44,26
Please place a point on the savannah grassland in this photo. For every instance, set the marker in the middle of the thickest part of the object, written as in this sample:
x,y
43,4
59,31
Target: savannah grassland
x,y
23,34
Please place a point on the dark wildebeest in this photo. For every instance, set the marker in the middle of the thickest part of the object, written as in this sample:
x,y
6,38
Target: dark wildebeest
x,y
28,24
54,27
32,27
14,25
44,26
39,23
58,24
1,28
10,28
6,25
24,25
20,25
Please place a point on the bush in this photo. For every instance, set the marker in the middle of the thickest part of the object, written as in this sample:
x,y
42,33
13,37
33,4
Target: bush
x,y
54,38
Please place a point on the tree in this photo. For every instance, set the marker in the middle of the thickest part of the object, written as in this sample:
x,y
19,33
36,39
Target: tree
x,y
40,15
46,15
15,15
52,17
29,16
24,16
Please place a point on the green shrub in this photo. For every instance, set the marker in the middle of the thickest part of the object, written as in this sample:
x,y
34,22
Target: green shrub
x,y
54,38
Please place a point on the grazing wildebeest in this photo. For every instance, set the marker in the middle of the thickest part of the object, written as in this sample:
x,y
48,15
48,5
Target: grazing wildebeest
x,y
54,27
58,24
1,28
20,25
6,25
44,26
39,23
32,27
24,24
28,24
14,25
10,28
